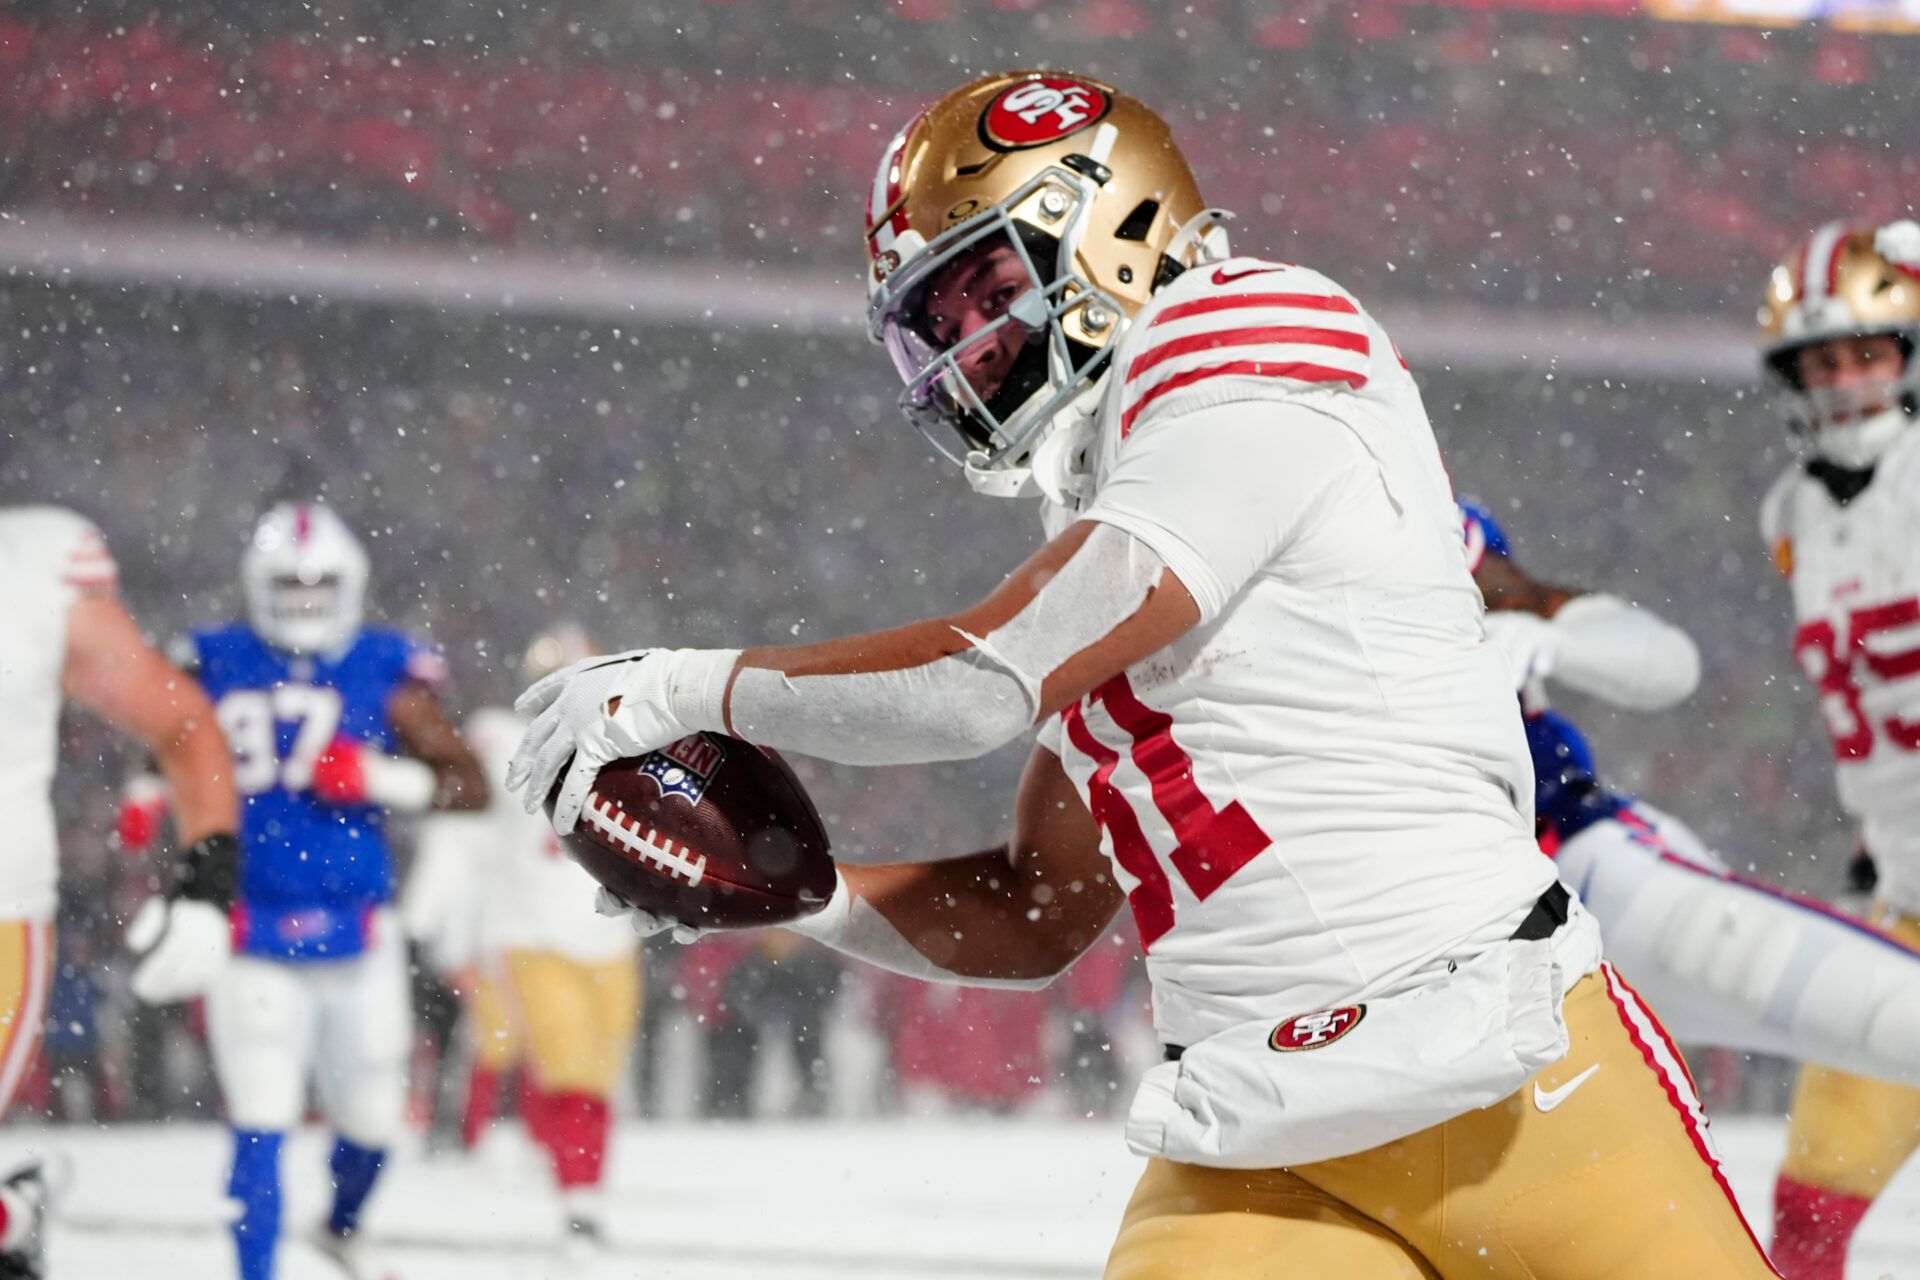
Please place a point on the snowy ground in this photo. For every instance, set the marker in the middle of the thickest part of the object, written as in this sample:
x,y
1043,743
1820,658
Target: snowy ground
x,y
947,1199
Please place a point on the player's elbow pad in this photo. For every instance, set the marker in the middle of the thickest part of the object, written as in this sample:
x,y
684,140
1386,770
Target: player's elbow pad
x,y
1626,655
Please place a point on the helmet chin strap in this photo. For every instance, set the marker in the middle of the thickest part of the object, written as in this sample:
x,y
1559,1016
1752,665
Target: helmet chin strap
x,y
1059,466
1206,233
997,482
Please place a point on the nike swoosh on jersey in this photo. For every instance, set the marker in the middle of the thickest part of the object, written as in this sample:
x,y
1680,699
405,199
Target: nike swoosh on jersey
x,y
1547,1100
1220,275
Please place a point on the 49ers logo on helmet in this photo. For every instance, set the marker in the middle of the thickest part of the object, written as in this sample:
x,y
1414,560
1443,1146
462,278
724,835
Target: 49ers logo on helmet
x,y
1036,112
1315,1030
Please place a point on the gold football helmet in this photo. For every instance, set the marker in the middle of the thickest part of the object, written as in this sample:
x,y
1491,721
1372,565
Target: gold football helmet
x,y
1081,184
1846,282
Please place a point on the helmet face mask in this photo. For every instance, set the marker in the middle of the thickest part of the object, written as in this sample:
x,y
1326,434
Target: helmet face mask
x,y
995,425
1846,288
305,577
1090,194
1850,423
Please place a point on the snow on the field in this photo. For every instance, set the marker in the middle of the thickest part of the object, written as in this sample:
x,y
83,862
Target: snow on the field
x,y
952,1200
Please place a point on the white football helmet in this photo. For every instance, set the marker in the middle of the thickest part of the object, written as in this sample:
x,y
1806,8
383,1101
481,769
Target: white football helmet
x,y
305,576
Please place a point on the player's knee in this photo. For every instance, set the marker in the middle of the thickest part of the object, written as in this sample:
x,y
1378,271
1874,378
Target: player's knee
x,y
261,1096
372,1115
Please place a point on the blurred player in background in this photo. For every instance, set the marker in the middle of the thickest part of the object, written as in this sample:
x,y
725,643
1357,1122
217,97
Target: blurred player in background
x,y
65,635
318,709
1272,725
1841,321
1726,960
556,986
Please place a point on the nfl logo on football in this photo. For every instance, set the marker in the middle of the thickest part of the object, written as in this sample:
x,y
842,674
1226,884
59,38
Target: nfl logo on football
x,y
684,769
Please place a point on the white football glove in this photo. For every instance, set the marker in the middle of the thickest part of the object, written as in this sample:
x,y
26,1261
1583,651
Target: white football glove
x,y
643,922
183,943
572,719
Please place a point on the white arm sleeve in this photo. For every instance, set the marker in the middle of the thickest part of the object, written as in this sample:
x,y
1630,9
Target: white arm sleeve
x,y
1629,656
959,706
1218,492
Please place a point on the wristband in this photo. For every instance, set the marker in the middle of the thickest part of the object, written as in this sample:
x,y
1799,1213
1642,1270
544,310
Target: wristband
x,y
209,871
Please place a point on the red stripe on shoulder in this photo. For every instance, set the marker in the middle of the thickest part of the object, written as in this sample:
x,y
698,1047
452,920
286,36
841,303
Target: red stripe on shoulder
x,y
1234,301
1343,339
1298,370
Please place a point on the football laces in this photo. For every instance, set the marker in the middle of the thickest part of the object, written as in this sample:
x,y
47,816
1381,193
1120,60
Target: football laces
x,y
643,841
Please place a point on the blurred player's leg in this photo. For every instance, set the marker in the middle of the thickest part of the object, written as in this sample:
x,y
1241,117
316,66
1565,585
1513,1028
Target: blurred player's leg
x,y
1612,1176
493,1046
260,1024
1727,962
26,968
365,1030
579,1019
23,1193
1846,1138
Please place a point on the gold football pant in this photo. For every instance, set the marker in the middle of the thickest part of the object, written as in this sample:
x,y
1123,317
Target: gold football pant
x,y
578,1018
1614,1178
490,1024
1850,1134
26,972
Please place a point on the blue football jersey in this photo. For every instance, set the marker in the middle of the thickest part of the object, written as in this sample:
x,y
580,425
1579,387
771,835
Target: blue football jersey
x,y
1483,533
1568,795
312,871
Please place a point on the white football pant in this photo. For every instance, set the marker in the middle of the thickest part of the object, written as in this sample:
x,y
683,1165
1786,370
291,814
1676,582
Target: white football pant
x,y
272,1024
1724,961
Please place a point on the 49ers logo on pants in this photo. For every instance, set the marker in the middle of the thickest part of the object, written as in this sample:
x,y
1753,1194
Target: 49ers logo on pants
x,y
1312,1030
1036,112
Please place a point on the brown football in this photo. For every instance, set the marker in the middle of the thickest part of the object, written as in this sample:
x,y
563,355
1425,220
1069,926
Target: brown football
x,y
710,831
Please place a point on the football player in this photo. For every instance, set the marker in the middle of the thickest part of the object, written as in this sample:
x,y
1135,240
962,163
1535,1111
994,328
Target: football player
x,y
1270,724
560,983
1841,321
65,635
1725,959
332,724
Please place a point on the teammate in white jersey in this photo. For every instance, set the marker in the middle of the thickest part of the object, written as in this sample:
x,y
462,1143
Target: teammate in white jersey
x,y
1842,321
557,981
1271,724
1726,959
65,635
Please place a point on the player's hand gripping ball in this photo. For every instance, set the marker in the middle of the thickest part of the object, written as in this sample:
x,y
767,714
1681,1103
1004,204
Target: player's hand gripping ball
x,y
709,832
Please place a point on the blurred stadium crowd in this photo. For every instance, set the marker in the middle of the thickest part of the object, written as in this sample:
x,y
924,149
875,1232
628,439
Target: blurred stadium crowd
x,y
1423,150
693,486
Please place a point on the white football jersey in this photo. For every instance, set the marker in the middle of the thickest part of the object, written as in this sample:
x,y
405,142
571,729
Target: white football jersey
x,y
49,558
533,896
1855,571
1323,791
